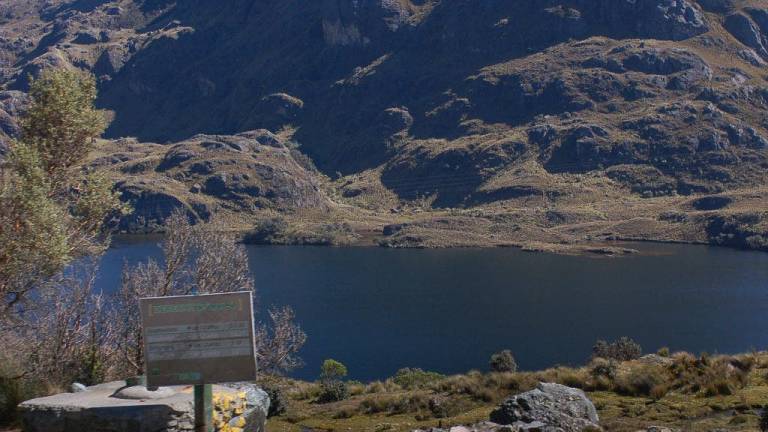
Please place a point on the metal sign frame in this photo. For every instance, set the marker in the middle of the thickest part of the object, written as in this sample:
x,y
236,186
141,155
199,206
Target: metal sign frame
x,y
199,340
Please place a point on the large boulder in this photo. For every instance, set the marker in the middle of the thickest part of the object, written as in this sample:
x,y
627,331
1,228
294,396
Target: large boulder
x,y
550,407
106,408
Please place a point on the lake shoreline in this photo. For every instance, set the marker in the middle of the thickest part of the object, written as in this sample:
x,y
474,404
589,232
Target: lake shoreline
x,y
612,248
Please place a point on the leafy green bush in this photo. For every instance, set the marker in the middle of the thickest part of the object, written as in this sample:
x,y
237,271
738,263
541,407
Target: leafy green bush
x,y
503,361
332,370
408,378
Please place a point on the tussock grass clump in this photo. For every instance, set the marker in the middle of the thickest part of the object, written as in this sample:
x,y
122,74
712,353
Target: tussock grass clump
x,y
303,391
400,403
386,386
409,378
645,380
712,376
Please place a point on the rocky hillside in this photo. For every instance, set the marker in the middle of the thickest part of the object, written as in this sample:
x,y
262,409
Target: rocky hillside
x,y
549,120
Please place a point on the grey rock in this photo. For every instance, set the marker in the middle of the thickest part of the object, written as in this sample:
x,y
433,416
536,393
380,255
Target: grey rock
x,y
669,19
87,38
216,185
548,407
143,393
77,388
97,410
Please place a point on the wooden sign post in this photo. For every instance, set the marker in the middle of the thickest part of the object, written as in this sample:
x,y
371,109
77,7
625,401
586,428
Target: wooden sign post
x,y
199,340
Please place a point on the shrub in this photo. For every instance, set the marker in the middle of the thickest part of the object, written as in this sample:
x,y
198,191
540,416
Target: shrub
x,y
601,367
332,388
11,394
712,375
332,370
659,391
719,387
356,388
663,352
503,361
333,391
442,407
277,401
408,378
623,349
267,231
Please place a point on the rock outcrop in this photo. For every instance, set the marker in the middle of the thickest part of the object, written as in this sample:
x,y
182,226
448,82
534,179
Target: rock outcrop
x,y
548,408
248,173
113,407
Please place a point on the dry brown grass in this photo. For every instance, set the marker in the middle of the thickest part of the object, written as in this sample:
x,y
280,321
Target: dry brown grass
x,y
684,391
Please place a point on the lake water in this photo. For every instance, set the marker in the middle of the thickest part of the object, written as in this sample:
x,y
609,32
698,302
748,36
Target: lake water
x,y
378,310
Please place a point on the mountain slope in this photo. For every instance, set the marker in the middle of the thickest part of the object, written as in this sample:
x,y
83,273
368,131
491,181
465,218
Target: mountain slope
x,y
487,104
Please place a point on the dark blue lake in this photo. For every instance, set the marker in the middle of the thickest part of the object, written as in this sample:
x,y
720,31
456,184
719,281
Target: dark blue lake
x,y
378,310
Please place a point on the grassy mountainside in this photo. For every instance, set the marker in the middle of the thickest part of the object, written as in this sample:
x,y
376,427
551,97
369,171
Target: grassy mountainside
x,y
431,123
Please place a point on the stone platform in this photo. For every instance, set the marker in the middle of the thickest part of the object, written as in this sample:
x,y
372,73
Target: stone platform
x,y
114,407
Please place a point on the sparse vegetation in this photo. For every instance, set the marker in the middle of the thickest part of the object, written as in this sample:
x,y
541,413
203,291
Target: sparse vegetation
x,y
503,361
332,386
277,231
628,394
409,378
622,349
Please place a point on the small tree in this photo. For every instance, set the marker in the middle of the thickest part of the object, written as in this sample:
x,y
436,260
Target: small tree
x,y
62,122
503,361
332,370
52,211
278,342
198,259
333,388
